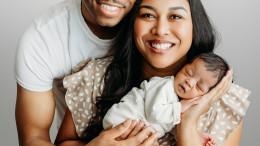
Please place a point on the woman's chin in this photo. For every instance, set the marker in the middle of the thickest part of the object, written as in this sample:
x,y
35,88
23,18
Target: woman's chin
x,y
160,65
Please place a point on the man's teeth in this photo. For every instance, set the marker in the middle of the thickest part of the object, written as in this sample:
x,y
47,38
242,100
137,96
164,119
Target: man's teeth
x,y
108,7
161,46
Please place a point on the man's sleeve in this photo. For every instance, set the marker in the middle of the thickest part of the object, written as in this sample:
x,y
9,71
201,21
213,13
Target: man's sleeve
x,y
32,68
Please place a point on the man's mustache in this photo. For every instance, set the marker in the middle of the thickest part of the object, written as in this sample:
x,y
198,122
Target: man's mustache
x,y
113,1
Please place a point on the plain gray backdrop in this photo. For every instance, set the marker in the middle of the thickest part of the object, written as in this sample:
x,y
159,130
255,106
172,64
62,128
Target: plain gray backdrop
x,y
238,21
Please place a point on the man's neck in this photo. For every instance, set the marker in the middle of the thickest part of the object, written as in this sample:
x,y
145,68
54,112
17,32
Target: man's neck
x,y
101,32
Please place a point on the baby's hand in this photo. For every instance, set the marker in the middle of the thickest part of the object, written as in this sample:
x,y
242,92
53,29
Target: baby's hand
x,y
187,103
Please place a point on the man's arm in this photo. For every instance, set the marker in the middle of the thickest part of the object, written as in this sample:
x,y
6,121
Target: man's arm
x,y
34,115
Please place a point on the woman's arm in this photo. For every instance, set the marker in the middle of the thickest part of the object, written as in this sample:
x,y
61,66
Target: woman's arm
x,y
234,138
67,135
188,133
187,130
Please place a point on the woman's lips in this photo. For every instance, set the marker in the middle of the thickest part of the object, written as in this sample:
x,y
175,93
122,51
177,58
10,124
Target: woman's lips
x,y
160,46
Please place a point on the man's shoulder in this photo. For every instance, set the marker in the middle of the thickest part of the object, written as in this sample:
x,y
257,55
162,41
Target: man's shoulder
x,y
50,26
58,12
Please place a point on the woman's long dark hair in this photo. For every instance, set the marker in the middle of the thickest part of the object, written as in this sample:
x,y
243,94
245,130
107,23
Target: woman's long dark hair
x,y
125,70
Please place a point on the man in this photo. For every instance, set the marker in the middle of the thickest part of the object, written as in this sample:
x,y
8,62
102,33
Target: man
x,y
67,34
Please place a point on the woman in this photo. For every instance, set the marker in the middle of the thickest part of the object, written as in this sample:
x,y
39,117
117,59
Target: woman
x,y
156,41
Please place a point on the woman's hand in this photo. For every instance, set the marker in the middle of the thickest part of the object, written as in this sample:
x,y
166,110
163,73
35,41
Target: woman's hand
x,y
115,135
187,130
207,100
187,103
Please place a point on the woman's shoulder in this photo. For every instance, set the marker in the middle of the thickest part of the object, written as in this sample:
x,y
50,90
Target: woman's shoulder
x,y
92,62
83,86
226,114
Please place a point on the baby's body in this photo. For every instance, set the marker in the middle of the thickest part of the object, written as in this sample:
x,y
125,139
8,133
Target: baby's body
x,y
161,101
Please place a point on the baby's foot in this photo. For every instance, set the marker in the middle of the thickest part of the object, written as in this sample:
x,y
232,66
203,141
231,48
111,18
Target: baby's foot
x,y
207,139
210,143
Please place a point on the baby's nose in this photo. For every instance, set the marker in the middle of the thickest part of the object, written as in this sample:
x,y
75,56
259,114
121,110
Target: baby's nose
x,y
190,82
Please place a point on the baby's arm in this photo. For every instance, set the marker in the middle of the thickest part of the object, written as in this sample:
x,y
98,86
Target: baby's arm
x,y
187,103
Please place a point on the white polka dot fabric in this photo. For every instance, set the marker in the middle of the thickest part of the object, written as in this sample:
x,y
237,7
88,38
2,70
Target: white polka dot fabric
x,y
226,114
83,86
87,83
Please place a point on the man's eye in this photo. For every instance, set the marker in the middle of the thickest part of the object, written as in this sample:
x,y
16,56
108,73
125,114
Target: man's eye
x,y
146,15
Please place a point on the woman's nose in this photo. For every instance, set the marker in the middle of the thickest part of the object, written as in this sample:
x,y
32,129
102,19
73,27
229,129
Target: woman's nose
x,y
161,28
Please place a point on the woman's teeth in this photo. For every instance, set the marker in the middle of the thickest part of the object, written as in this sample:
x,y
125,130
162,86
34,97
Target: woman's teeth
x,y
162,46
108,7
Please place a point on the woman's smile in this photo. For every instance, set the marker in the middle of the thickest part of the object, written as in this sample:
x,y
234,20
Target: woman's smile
x,y
160,46
163,32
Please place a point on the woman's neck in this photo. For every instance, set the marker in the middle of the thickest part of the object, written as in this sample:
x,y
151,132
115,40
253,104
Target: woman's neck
x,y
150,71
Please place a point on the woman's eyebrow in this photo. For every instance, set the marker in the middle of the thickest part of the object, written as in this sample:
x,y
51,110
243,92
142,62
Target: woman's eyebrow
x,y
177,8
147,7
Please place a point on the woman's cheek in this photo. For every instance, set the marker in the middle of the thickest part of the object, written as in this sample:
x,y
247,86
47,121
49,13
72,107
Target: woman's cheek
x,y
184,32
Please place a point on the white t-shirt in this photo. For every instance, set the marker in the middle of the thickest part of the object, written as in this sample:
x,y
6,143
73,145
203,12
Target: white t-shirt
x,y
52,46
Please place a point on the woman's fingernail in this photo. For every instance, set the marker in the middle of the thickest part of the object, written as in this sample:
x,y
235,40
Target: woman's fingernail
x,y
158,134
134,123
230,72
140,126
127,122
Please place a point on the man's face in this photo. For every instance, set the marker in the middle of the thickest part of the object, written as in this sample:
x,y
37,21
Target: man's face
x,y
106,12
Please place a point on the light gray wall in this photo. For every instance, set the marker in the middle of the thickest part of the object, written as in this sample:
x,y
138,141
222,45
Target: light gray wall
x,y
15,17
238,21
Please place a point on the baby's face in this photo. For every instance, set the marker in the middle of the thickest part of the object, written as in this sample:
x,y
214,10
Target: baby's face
x,y
194,80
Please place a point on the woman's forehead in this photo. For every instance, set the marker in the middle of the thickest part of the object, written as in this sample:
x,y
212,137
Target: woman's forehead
x,y
162,4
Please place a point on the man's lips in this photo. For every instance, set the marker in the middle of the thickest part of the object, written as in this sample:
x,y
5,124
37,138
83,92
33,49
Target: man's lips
x,y
111,3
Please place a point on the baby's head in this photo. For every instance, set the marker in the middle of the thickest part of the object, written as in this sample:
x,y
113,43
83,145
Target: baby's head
x,y
200,75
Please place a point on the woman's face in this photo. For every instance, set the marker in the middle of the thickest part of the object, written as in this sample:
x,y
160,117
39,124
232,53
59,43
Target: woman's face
x,y
163,31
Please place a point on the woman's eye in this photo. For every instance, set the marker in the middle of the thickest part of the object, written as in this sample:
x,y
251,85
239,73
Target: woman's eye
x,y
175,17
146,15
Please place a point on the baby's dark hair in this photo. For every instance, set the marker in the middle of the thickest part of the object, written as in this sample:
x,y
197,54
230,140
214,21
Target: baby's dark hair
x,y
215,64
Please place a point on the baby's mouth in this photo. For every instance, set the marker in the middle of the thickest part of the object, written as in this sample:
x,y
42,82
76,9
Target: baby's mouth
x,y
181,88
